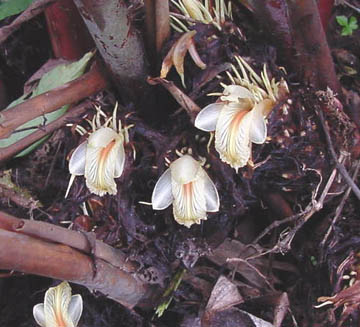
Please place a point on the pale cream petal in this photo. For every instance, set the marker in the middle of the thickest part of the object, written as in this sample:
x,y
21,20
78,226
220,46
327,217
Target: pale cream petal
x,y
75,308
102,137
233,93
232,139
39,314
189,206
258,129
211,195
193,8
184,169
101,165
120,160
78,160
207,118
162,195
56,305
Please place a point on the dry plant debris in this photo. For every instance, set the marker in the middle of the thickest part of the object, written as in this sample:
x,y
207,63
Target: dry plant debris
x,y
263,222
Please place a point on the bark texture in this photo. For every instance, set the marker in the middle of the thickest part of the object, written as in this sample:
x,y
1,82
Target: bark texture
x,y
110,25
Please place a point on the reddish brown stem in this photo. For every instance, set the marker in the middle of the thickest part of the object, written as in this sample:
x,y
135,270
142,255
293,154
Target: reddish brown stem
x,y
150,28
325,8
69,36
162,21
297,31
33,256
11,150
33,10
315,64
76,240
84,86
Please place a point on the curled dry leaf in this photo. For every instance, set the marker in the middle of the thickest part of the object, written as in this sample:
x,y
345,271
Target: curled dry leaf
x,y
177,54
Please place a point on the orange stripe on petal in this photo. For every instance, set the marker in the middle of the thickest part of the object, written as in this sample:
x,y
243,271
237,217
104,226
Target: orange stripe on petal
x,y
188,194
102,161
234,129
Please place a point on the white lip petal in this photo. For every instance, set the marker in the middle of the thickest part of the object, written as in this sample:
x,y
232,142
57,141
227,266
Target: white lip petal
x,y
100,167
233,93
258,129
102,137
184,169
78,160
189,206
120,160
232,139
211,195
75,308
207,118
39,314
56,304
162,195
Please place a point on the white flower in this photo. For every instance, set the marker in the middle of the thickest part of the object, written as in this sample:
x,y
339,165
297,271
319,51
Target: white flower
x,y
238,117
202,11
59,309
101,157
238,120
186,185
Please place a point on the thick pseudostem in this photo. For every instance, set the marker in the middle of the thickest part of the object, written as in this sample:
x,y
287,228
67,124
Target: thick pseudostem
x,y
297,31
23,249
120,45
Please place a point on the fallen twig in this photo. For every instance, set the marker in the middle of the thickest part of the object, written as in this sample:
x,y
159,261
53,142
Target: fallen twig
x,y
339,165
284,244
84,86
33,10
182,99
340,206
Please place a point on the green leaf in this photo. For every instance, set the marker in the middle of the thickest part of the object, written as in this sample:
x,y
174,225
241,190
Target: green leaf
x,y
342,20
353,23
346,30
58,76
13,7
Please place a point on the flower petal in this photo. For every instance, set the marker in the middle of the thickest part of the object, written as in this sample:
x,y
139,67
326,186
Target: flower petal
x,y
56,305
189,206
102,137
185,169
193,8
232,139
258,129
233,93
207,118
120,160
102,166
75,308
211,195
162,195
78,160
39,314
